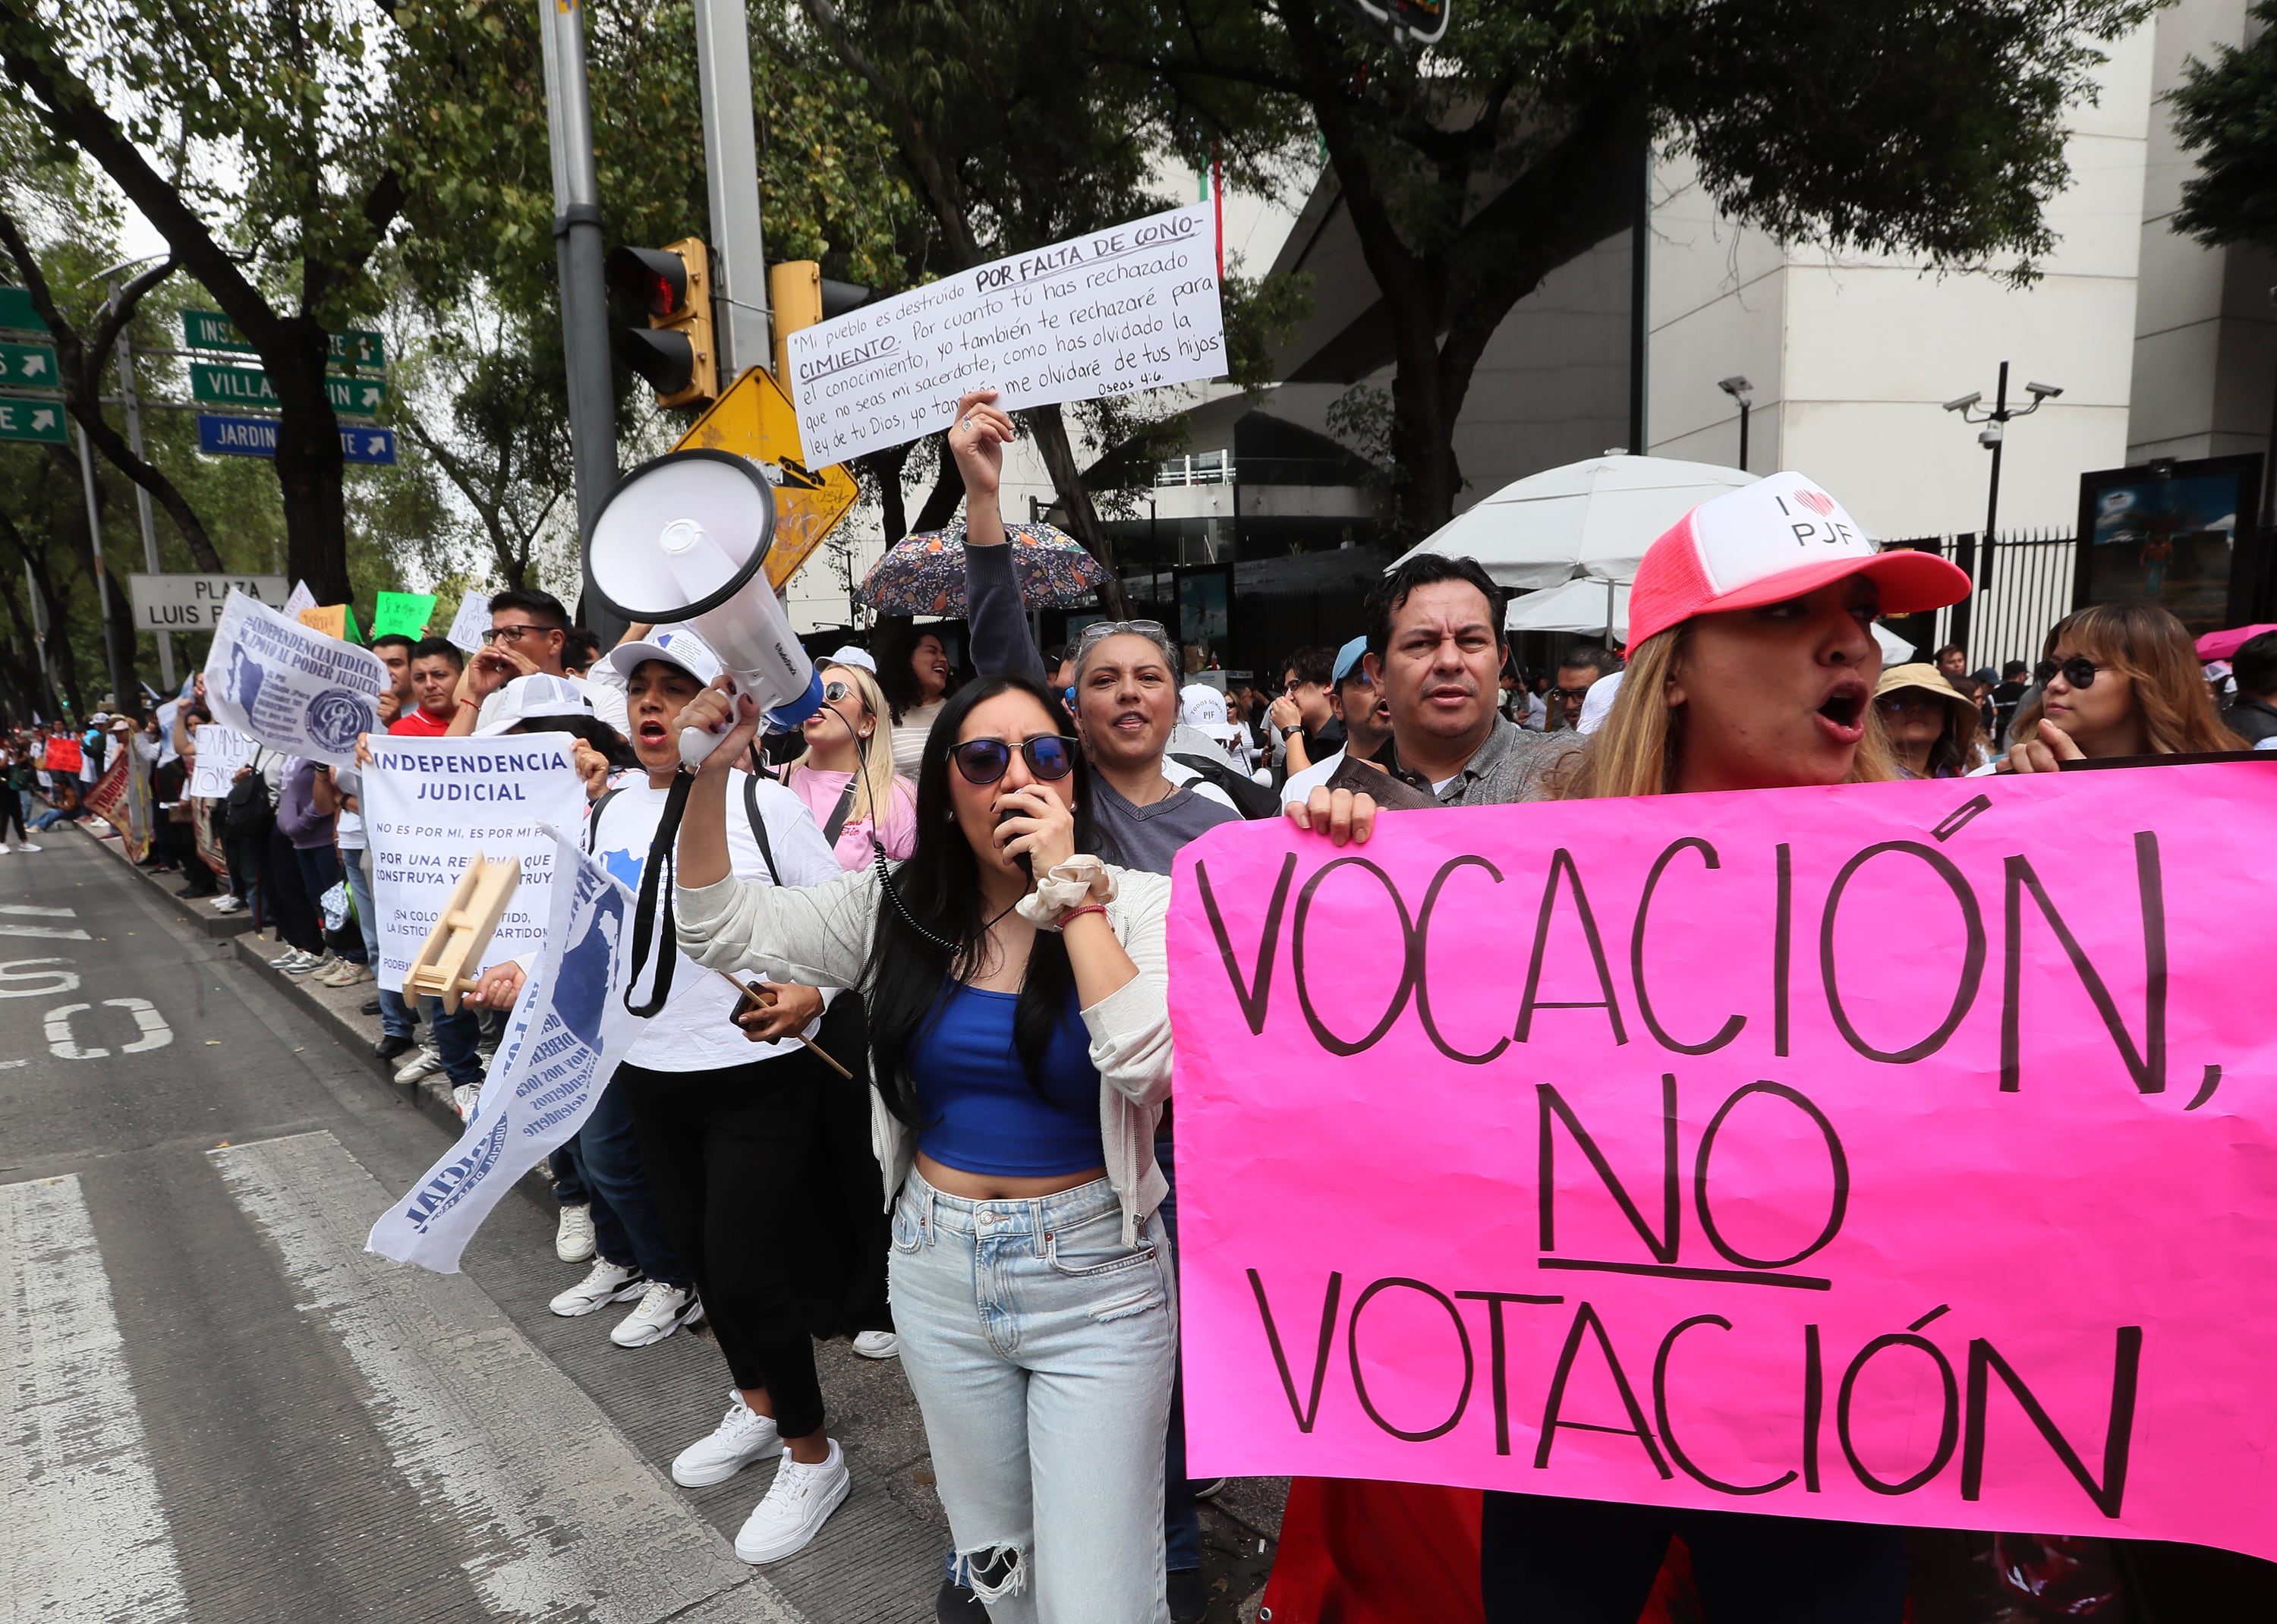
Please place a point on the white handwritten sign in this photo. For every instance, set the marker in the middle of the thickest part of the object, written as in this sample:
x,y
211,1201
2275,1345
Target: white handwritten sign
x,y
221,752
1132,308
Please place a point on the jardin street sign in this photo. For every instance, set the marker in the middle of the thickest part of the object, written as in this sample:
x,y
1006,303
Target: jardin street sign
x,y
210,330
211,384
256,436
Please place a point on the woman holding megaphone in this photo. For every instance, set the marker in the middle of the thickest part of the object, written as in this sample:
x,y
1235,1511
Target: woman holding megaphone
x,y
1021,1038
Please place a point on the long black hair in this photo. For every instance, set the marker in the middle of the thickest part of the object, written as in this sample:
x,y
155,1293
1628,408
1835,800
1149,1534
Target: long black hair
x,y
934,926
900,683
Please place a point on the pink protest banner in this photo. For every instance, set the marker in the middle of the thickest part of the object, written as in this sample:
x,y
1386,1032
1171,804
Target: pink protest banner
x,y
1895,1153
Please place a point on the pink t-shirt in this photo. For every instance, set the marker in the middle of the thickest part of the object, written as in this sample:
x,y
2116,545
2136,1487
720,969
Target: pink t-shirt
x,y
897,830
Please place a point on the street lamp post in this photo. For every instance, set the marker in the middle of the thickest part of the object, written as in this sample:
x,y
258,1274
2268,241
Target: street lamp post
x,y
1992,436
1740,389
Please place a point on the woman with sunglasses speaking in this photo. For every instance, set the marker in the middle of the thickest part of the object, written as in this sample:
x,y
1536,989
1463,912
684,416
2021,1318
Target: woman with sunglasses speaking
x,y
2115,680
1020,1033
845,773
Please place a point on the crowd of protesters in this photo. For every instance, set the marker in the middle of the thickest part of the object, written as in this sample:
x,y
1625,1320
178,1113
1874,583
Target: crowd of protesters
x,y
954,885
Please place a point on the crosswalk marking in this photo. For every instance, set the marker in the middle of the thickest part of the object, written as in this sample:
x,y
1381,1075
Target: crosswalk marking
x,y
48,931
85,1535
29,912
514,1457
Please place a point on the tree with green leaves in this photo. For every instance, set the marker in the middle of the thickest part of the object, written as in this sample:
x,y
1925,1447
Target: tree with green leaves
x,y
1473,168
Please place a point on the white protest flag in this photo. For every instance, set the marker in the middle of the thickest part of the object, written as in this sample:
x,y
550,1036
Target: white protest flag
x,y
563,1042
431,805
1134,307
472,620
301,598
292,688
221,752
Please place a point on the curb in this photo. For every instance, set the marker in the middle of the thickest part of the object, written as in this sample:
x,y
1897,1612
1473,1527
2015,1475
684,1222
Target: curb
x,y
431,1096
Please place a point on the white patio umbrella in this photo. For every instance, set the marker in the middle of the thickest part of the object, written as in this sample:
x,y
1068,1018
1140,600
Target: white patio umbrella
x,y
1895,649
1582,604
1593,517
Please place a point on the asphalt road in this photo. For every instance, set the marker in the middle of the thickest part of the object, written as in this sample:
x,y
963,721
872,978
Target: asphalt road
x,y
214,1406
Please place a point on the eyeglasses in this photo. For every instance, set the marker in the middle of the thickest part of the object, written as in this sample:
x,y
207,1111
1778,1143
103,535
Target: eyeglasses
x,y
2077,672
984,760
514,633
1153,630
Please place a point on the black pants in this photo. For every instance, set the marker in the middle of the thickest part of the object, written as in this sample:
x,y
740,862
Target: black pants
x,y
11,812
724,1152
1555,1561
291,908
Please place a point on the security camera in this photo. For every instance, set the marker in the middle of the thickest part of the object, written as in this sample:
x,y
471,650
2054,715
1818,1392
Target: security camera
x,y
1964,402
1734,386
2043,391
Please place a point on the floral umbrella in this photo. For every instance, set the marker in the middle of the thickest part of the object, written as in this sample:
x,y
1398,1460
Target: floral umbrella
x,y
923,573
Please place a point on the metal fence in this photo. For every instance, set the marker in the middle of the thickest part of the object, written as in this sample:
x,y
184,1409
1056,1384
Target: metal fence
x,y
2023,587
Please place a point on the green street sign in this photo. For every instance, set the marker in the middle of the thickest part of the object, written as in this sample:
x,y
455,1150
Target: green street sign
x,y
211,384
210,330
43,420
16,312
28,365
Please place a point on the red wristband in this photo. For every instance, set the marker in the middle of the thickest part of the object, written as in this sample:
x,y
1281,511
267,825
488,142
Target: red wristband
x,y
1088,908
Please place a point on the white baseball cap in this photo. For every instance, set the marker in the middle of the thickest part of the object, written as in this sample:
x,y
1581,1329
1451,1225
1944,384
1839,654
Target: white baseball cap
x,y
1597,703
1202,708
1768,542
675,645
526,698
851,656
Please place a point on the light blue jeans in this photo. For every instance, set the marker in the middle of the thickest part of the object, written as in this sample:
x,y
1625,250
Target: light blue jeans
x,y
1041,1349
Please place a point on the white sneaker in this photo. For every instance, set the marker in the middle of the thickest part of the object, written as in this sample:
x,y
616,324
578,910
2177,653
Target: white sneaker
x,y
663,1309
228,902
739,1439
290,960
313,964
464,1096
347,973
603,1284
423,1062
26,845
878,1345
573,1236
797,1505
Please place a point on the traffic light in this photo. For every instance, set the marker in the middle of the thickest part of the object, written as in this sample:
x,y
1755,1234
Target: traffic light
x,y
800,296
672,286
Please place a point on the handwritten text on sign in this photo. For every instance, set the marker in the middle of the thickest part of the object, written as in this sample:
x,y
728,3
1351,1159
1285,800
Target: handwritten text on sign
x,y
1897,1153
1128,308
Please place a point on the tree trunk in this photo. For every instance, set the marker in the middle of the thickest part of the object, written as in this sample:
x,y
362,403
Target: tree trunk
x,y
1050,430
309,464
1426,477
886,467
940,503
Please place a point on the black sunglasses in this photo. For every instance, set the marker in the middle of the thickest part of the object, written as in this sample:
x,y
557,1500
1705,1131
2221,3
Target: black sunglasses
x,y
984,760
2078,671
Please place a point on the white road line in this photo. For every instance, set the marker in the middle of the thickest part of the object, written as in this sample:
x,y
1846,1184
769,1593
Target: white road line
x,y
27,910
48,931
87,1536
557,1514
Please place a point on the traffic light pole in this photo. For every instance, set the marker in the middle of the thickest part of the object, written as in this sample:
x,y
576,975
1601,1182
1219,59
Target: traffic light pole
x,y
142,498
578,252
731,171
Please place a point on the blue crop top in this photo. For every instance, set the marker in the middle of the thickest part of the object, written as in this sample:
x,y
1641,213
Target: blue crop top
x,y
976,1111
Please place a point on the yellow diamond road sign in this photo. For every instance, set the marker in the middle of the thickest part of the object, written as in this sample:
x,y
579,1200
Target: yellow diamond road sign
x,y
755,419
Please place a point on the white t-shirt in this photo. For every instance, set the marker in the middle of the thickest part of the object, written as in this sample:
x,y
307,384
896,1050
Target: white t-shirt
x,y
693,1032
1300,788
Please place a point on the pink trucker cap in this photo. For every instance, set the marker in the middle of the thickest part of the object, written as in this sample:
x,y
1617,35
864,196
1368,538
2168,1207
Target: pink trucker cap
x,y
1763,543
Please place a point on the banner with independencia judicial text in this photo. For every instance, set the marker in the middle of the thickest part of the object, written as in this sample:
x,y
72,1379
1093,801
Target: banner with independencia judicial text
x,y
1894,1153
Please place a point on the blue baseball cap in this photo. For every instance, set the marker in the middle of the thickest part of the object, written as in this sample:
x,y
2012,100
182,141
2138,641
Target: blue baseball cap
x,y
1348,658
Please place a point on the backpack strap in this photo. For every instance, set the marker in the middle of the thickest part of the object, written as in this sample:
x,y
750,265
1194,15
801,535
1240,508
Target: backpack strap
x,y
838,816
759,825
593,818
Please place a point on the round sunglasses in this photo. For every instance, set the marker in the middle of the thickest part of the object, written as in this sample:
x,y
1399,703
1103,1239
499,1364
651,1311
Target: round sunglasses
x,y
2078,671
984,760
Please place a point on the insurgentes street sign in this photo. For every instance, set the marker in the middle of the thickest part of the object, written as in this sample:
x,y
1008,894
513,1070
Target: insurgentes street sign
x,y
210,330
23,418
213,384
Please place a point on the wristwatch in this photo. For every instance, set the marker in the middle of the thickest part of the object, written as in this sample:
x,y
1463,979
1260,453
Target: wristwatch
x,y
1294,727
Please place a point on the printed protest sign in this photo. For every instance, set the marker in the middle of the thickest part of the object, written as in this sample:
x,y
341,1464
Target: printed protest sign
x,y
221,752
431,805
562,1043
292,689
121,797
333,620
1130,307
472,620
1896,1153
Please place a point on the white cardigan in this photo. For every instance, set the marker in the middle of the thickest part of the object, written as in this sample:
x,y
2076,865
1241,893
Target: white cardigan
x,y
820,935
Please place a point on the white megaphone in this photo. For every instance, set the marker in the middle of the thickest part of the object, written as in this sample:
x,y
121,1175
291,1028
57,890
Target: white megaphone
x,y
682,539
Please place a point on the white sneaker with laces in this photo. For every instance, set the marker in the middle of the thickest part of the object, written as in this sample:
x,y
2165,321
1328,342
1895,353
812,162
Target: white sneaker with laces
x,y
314,964
288,960
878,1345
422,1062
26,845
798,1502
742,1438
464,1096
603,1284
573,1236
228,902
663,1309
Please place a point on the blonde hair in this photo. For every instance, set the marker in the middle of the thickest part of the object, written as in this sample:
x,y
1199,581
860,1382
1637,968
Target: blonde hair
x,y
1635,752
876,774
2161,662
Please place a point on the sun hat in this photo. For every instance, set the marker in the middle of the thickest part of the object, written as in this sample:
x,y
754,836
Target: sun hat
x,y
1348,658
1920,674
1768,542
675,645
527,698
